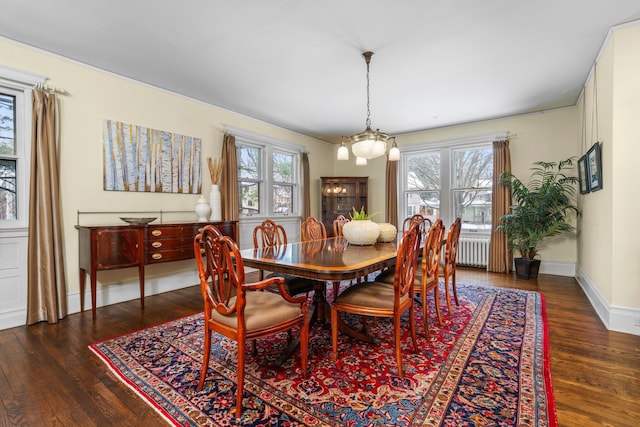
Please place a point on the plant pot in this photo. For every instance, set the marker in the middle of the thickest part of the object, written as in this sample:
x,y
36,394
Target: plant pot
x,y
361,232
527,269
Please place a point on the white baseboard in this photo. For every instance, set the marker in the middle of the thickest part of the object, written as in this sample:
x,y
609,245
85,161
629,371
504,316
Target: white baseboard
x,y
13,318
615,318
567,269
130,290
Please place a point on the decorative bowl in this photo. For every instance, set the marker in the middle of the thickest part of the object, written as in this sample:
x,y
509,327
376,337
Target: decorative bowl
x,y
361,232
138,221
388,232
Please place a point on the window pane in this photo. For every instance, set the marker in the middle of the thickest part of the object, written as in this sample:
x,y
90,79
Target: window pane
x,y
8,201
424,172
426,203
248,162
282,199
249,197
474,208
473,168
7,124
282,167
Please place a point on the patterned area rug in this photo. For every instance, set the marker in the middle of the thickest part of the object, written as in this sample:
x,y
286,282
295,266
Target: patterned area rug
x,y
486,365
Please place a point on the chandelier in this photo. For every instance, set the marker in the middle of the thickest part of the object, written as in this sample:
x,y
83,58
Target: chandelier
x,y
368,144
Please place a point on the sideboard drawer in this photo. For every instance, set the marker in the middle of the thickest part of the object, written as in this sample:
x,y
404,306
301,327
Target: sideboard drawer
x,y
169,255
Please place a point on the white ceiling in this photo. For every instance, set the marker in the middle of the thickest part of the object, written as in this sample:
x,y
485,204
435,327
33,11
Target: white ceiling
x,y
298,63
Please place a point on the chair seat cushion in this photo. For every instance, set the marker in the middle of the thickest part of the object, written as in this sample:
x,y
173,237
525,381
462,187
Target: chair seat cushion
x,y
388,276
369,294
263,310
294,285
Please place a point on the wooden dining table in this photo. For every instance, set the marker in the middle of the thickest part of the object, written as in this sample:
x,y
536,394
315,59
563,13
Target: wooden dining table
x,y
331,260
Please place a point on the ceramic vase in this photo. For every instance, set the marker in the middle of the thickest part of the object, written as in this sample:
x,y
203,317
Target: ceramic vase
x,y
203,209
214,201
361,232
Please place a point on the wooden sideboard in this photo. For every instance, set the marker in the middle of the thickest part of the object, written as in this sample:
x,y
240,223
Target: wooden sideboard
x,y
122,246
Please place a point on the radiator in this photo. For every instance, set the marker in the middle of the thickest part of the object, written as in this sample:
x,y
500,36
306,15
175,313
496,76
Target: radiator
x,y
473,251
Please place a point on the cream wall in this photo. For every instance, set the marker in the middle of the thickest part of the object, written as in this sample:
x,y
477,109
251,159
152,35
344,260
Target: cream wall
x,y
94,95
548,136
609,244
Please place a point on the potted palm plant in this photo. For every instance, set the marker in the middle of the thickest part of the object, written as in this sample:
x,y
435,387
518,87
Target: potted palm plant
x,y
543,207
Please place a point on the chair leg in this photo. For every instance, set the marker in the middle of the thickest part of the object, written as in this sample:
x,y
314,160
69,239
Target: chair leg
x,y
205,358
240,390
436,298
304,346
412,328
453,285
396,332
425,315
446,289
334,333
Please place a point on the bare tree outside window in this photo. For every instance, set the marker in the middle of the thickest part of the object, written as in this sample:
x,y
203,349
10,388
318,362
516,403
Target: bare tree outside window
x,y
249,179
8,163
282,183
472,193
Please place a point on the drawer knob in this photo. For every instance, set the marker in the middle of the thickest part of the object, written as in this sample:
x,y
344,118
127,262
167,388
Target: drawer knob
x,y
157,233
156,244
156,256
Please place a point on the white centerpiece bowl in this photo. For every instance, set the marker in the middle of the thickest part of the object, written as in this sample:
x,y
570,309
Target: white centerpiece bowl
x,y
361,232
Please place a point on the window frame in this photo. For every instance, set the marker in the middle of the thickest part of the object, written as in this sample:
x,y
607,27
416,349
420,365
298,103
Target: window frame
x,y
268,147
20,84
447,172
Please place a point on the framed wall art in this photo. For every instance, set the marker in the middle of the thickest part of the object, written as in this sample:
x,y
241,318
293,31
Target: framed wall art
x,y
594,167
138,158
583,178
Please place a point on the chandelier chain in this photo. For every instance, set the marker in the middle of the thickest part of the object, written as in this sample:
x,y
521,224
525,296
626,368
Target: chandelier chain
x,y
368,121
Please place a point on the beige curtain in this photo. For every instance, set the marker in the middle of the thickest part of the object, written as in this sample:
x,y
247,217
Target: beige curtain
x,y
391,193
500,257
306,187
229,180
47,289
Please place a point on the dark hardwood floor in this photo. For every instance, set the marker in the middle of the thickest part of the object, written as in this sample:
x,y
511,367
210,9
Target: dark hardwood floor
x,y
49,377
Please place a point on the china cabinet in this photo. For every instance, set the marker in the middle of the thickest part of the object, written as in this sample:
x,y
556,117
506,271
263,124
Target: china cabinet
x,y
340,194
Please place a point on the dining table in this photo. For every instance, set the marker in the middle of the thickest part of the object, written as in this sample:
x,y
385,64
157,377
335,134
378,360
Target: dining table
x,y
331,260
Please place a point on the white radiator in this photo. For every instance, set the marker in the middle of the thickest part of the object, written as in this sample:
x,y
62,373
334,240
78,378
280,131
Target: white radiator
x,y
473,251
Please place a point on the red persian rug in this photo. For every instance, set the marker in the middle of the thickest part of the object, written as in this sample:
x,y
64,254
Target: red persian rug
x,y
487,365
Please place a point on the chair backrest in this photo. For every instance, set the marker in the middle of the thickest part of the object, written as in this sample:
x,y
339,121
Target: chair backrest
x,y
407,261
338,223
221,272
312,229
432,248
269,234
452,242
426,222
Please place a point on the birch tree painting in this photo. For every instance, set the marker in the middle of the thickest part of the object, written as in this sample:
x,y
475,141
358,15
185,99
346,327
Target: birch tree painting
x,y
144,159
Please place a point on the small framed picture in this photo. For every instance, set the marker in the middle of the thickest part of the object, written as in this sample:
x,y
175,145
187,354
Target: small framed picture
x,y
583,179
594,167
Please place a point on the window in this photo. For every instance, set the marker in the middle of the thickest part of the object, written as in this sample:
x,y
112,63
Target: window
x,y
8,158
15,140
450,180
268,176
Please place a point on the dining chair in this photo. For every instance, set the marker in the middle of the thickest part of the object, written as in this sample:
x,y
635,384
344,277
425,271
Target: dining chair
x,y
430,264
381,300
271,236
419,218
388,275
338,223
312,229
233,308
448,265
